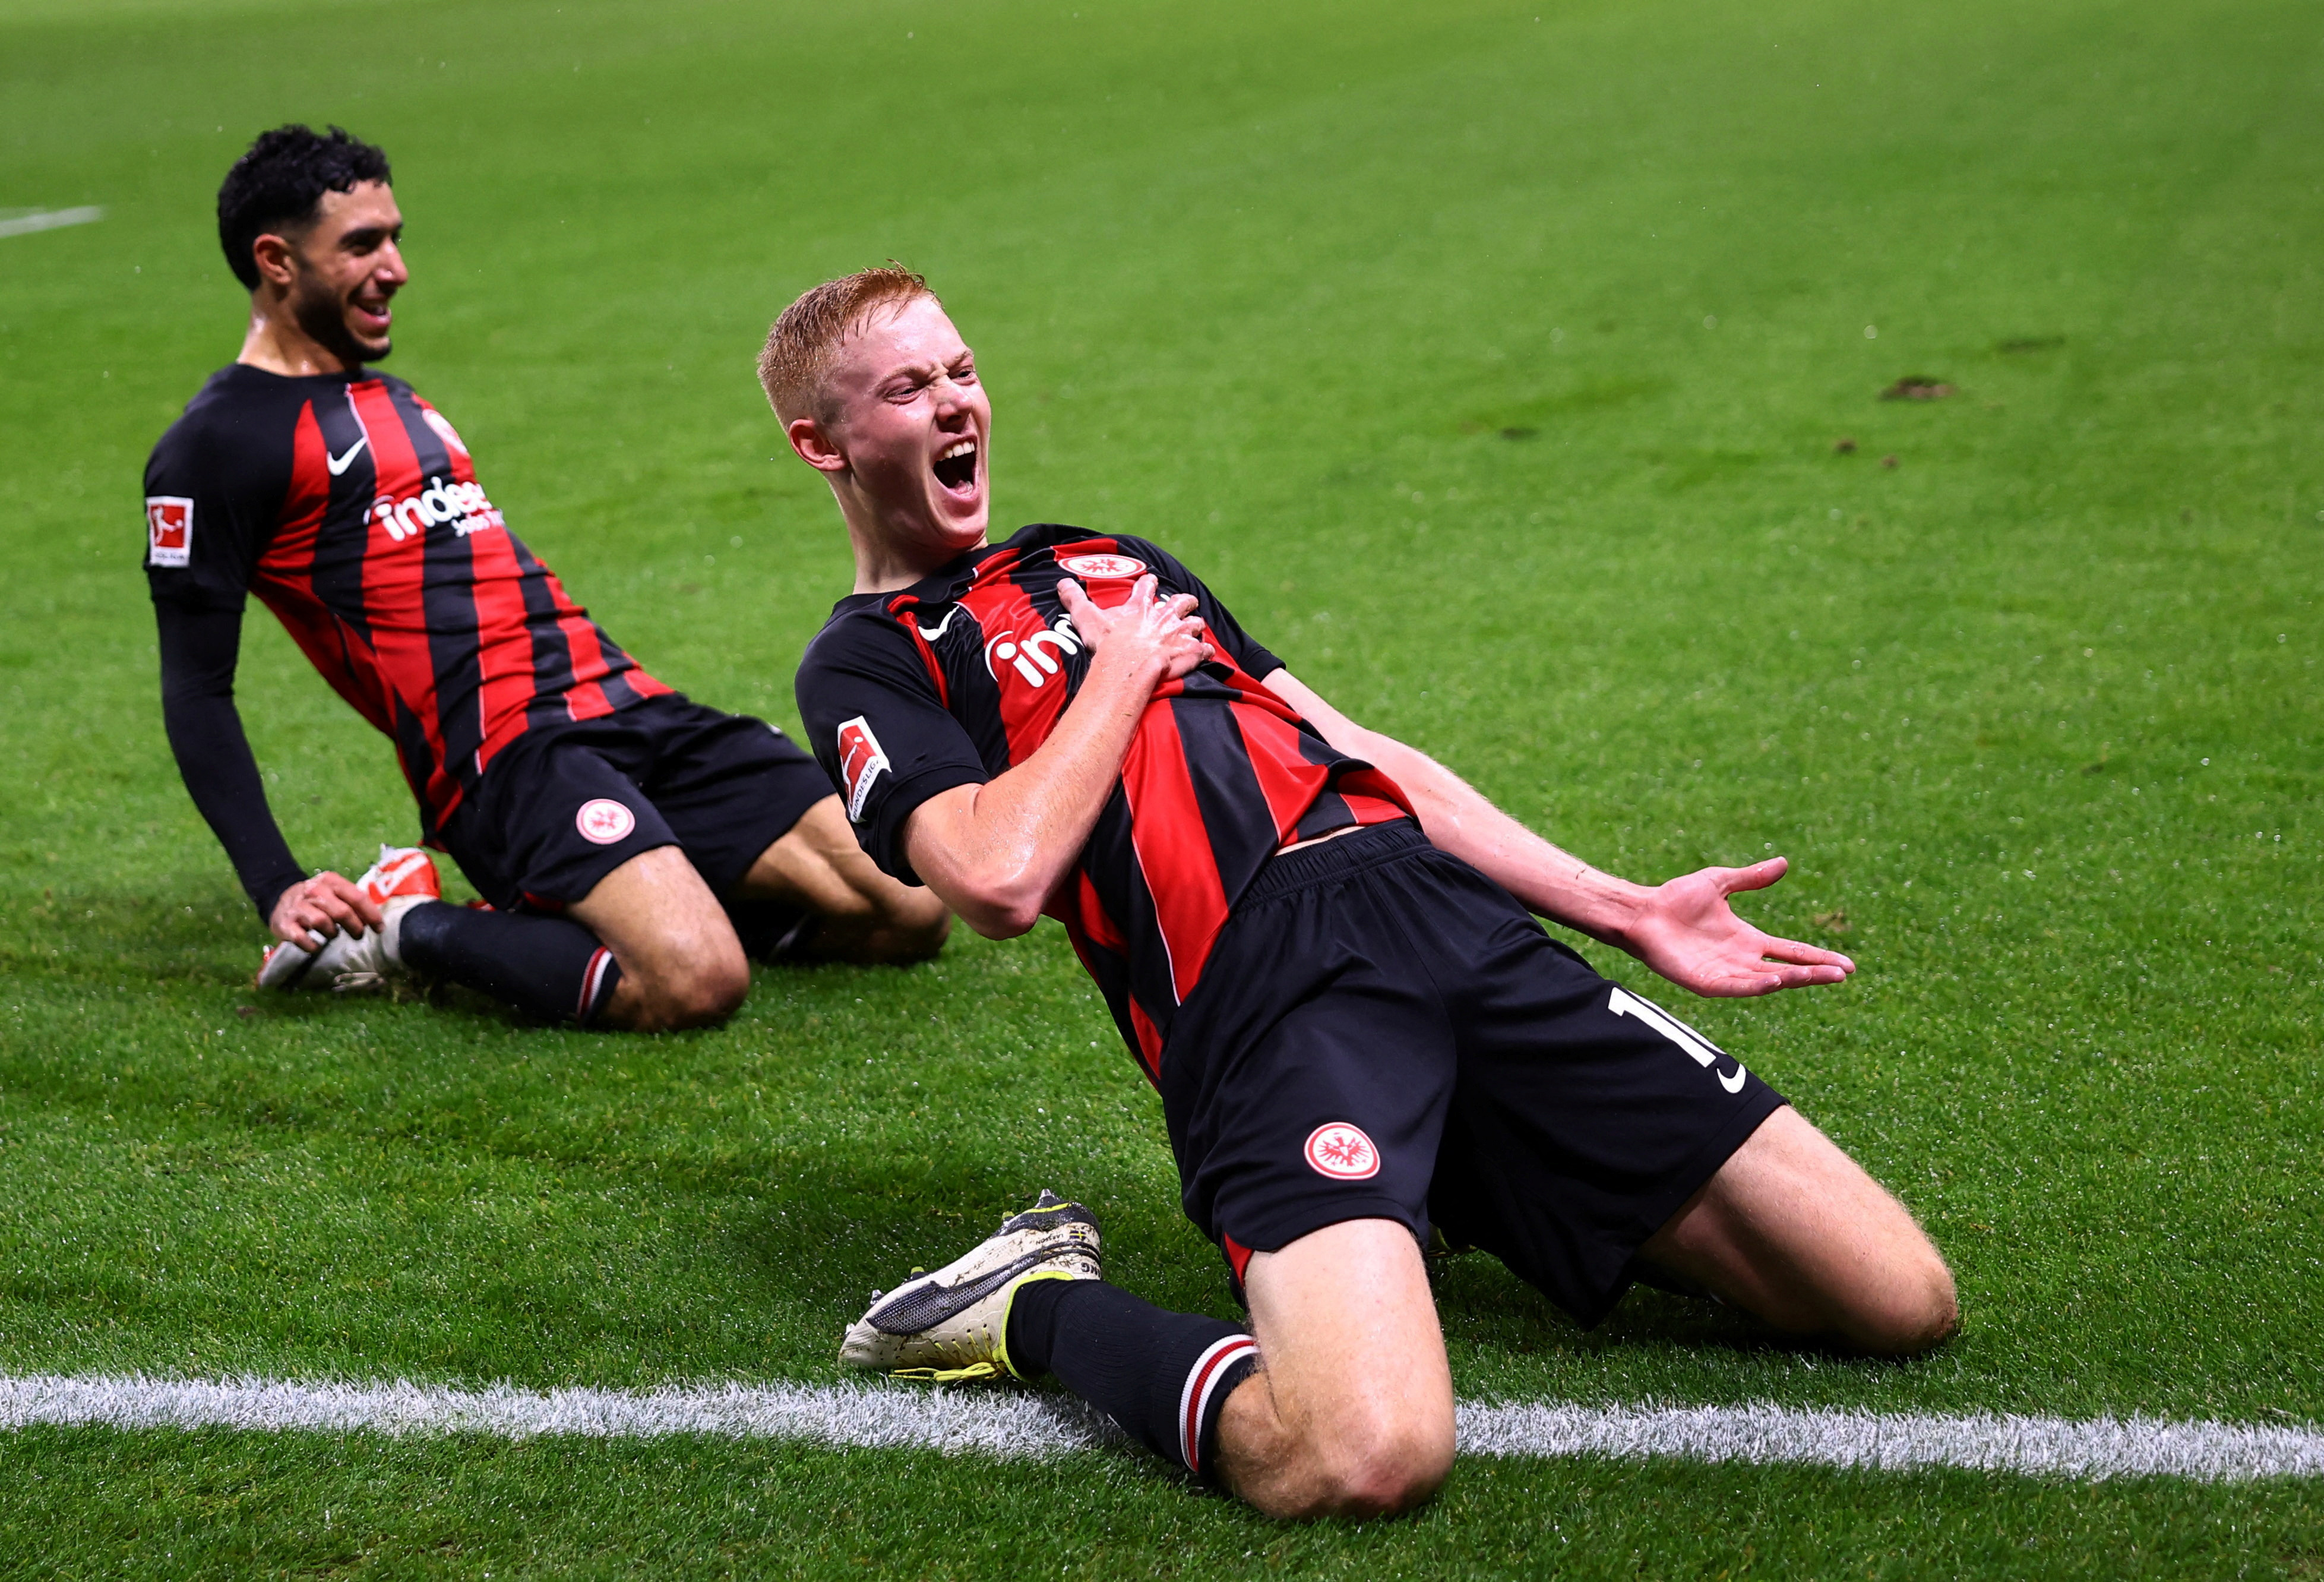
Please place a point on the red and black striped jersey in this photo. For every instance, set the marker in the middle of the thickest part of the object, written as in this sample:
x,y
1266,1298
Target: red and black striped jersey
x,y
350,506
954,680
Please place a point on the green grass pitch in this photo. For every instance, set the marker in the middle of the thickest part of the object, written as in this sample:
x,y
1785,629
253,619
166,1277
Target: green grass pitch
x,y
1490,359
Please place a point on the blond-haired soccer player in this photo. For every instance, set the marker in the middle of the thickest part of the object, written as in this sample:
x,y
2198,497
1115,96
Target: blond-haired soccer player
x,y
1319,946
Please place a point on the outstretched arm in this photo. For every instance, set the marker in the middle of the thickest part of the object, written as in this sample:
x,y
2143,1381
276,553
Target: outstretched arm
x,y
200,650
994,853
1683,928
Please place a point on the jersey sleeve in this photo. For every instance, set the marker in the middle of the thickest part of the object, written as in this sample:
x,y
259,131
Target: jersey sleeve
x,y
878,723
1251,657
199,648
211,503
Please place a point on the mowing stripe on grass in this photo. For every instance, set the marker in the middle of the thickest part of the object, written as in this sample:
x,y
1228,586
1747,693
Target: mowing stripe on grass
x,y
24,222
1016,1424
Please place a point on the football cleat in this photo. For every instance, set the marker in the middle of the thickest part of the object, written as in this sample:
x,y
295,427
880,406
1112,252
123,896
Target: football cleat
x,y
954,1324
402,878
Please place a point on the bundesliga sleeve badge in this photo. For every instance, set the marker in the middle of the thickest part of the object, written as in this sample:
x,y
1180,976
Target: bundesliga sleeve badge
x,y
860,763
169,530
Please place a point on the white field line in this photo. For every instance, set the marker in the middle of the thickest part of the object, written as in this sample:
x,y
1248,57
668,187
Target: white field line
x,y
2083,1448
24,222
1014,1424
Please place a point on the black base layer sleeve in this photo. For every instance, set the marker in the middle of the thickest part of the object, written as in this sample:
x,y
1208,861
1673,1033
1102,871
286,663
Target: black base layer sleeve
x,y
1164,1376
554,968
199,651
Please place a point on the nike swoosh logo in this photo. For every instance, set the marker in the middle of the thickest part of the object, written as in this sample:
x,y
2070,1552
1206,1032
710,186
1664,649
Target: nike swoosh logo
x,y
339,464
1732,1084
942,626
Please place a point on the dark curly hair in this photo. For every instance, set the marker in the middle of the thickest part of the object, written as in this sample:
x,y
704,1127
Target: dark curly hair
x,y
281,180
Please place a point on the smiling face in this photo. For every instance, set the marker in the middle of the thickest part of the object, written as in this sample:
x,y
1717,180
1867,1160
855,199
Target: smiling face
x,y
901,431
340,274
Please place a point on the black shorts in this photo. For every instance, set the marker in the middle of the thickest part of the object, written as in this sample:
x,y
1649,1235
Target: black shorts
x,y
566,804
1383,1032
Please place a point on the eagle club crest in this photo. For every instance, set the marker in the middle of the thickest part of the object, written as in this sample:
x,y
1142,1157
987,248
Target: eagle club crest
x,y
601,821
1340,1149
1100,568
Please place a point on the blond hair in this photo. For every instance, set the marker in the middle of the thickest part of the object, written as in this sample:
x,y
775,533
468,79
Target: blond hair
x,y
804,342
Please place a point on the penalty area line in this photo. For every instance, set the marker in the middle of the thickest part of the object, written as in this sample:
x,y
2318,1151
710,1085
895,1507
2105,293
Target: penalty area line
x,y
1019,1425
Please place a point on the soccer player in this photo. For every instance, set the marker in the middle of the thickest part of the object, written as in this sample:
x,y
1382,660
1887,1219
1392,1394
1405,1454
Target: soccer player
x,y
1318,944
624,833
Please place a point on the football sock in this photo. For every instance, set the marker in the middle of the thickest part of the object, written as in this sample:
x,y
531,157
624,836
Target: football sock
x,y
551,966
771,930
1164,1376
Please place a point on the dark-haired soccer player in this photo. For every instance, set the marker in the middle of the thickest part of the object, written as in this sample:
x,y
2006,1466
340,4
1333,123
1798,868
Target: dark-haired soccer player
x,y
623,833
1315,941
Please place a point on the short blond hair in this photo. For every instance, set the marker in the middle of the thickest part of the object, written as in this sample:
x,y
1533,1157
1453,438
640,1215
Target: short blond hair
x,y
803,343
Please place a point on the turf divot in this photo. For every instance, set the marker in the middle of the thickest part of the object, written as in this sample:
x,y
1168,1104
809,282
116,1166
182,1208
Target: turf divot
x,y
1013,1425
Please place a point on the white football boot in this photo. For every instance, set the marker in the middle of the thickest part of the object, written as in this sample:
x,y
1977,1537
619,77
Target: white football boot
x,y
954,1324
402,878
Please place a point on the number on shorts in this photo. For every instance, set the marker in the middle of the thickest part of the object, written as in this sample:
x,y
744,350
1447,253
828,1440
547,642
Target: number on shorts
x,y
1706,1054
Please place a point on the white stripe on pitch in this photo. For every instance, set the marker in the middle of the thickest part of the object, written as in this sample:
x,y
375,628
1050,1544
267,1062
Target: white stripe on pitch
x,y
24,223
1005,1423
1018,1424
2086,1448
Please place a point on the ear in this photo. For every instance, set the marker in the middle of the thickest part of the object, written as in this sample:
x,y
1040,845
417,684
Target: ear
x,y
276,258
815,445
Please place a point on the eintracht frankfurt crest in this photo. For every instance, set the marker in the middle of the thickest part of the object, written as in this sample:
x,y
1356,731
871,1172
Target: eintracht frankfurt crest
x,y
603,821
1340,1151
1099,568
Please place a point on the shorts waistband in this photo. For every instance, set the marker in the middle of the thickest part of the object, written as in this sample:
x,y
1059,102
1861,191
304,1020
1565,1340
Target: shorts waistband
x,y
1335,859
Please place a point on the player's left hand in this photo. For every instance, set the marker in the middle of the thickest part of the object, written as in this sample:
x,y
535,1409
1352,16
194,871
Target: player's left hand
x,y
1685,931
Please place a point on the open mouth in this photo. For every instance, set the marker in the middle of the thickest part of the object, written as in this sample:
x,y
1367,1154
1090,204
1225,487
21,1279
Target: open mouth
x,y
955,469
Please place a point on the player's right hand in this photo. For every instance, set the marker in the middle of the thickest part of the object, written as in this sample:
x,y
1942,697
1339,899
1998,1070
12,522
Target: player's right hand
x,y
310,912
1165,633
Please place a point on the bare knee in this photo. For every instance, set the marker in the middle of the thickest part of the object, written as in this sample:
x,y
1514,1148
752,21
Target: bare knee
x,y
914,929
1917,1308
1376,1469
696,993
886,930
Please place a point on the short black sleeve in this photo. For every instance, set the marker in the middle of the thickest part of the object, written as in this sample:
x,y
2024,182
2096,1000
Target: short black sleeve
x,y
215,487
1253,658
880,728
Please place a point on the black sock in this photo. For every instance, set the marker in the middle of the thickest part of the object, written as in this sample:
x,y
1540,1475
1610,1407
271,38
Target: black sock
x,y
1165,1377
554,968
772,931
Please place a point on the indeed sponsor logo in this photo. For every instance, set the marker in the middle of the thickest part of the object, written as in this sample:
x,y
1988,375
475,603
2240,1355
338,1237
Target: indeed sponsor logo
x,y
1035,657
462,505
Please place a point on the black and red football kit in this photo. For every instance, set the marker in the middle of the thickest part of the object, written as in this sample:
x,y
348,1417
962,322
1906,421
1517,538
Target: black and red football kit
x,y
1364,1027
351,507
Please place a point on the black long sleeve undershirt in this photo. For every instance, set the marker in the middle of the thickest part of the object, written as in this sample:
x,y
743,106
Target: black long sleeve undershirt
x,y
200,649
